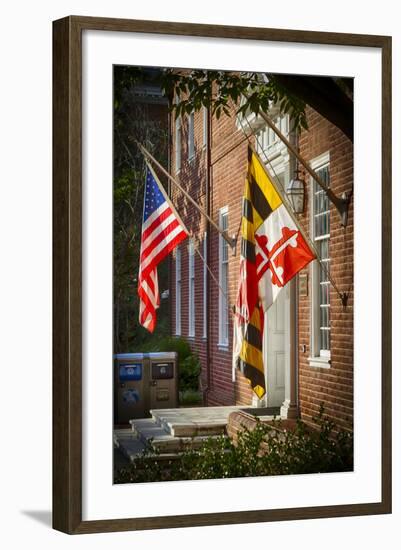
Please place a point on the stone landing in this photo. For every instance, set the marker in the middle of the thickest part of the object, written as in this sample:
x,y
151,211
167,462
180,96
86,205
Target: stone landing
x,y
171,431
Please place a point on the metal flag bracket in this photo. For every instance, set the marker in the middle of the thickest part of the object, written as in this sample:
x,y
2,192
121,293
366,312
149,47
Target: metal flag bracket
x,y
342,204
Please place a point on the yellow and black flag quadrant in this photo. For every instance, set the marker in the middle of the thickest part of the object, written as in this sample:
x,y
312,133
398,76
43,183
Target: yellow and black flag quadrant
x,y
250,357
273,251
260,199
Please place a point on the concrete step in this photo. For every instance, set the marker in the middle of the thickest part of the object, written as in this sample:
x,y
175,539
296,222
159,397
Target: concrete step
x,y
193,422
194,429
139,425
163,440
171,444
129,445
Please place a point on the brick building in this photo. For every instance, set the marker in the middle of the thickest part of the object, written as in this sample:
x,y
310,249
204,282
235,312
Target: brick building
x,y
308,337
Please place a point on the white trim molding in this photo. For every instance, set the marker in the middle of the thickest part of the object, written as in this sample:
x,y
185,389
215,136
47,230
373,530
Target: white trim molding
x,y
191,289
204,297
191,136
223,282
178,144
178,291
320,295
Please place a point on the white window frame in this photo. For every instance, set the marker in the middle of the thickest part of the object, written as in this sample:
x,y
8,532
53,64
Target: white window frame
x,y
319,357
204,134
191,289
275,151
204,331
178,286
223,305
178,143
191,136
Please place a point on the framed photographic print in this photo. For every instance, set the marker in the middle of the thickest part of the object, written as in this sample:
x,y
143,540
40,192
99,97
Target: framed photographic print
x,y
222,274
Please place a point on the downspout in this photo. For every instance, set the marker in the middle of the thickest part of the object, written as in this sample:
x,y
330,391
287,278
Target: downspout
x,y
208,179
292,409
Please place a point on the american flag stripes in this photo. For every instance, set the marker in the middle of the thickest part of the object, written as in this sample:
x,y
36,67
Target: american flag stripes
x,y
162,231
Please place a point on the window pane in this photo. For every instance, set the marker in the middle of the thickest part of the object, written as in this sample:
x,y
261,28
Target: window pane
x,y
178,292
191,144
223,280
323,339
324,249
324,293
321,229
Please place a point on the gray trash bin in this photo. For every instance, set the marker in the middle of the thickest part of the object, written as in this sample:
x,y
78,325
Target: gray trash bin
x,y
144,381
163,380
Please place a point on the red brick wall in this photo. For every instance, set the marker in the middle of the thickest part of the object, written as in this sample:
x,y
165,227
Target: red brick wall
x,y
332,385
192,178
229,165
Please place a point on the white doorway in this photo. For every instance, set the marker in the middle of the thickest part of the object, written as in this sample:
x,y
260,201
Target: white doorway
x,y
275,350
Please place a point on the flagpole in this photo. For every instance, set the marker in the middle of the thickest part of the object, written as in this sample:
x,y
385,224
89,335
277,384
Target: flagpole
x,y
232,243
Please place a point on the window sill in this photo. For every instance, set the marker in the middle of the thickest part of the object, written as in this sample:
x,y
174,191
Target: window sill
x,y
222,347
320,362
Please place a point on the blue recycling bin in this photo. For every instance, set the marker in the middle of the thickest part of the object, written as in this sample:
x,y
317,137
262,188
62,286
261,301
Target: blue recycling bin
x,y
143,382
129,382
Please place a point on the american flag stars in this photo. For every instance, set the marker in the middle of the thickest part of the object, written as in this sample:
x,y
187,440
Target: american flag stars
x,y
161,233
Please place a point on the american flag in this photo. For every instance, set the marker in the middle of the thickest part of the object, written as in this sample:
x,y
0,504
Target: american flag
x,y
162,231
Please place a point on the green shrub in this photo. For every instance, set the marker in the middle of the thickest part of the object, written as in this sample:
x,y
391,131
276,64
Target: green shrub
x,y
188,363
263,451
189,371
169,343
191,398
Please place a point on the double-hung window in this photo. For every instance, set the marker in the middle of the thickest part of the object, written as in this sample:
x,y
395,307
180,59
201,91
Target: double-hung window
x,y
178,291
205,285
204,134
223,280
191,136
191,289
178,144
320,221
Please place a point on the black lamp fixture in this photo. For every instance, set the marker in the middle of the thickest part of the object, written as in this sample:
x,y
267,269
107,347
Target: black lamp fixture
x,y
296,193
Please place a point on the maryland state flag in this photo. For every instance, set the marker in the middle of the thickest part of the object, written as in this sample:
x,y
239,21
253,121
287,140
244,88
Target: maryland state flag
x,y
273,250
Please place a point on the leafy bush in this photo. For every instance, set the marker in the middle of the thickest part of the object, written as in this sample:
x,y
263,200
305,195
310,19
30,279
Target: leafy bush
x,y
193,398
168,343
189,371
265,450
188,362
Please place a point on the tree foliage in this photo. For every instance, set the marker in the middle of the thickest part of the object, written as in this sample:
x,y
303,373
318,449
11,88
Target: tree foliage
x,y
332,97
220,90
133,119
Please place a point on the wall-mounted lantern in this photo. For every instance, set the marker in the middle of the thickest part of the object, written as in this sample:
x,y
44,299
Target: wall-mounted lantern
x,y
296,193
